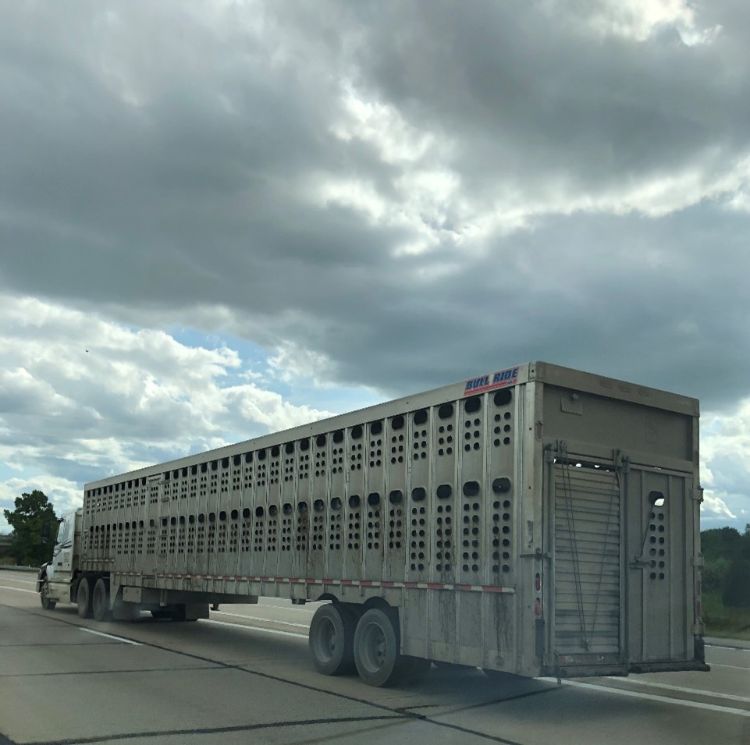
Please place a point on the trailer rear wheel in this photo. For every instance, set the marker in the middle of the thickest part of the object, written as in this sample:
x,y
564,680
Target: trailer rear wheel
x,y
331,639
83,597
376,647
47,602
100,600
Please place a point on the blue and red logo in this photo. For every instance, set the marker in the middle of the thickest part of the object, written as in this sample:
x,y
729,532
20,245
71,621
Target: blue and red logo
x,y
500,379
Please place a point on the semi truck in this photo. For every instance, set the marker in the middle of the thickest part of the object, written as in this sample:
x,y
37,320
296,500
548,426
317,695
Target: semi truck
x,y
535,520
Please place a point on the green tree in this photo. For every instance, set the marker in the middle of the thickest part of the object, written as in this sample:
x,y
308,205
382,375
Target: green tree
x,y
737,585
34,526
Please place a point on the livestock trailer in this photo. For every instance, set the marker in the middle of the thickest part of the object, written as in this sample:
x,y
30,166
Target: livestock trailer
x,y
537,520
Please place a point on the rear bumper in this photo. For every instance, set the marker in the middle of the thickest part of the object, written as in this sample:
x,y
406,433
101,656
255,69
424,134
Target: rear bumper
x,y
668,666
591,670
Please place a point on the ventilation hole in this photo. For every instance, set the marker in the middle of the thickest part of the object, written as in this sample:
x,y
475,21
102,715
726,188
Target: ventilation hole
x,y
287,509
376,428
420,417
235,514
246,513
503,398
418,494
224,464
302,507
472,404
471,488
445,411
336,504
444,491
273,510
320,440
236,460
397,422
261,454
289,448
275,451
258,512
222,516
396,496
319,505
338,436
656,499
373,499
501,485
354,501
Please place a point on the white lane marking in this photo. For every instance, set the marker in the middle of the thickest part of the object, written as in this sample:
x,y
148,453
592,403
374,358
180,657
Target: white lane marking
x,y
18,589
731,649
681,689
110,636
20,581
260,618
732,667
653,697
247,627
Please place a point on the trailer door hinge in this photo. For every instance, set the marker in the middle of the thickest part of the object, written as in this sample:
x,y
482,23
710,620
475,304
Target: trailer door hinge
x,y
538,554
698,494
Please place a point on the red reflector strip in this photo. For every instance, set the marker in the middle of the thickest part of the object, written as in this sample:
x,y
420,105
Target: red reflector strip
x,y
345,582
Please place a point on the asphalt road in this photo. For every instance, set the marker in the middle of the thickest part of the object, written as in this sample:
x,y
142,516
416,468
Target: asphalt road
x,y
245,676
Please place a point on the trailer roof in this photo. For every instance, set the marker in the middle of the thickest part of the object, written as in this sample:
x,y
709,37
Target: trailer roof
x,y
567,377
533,371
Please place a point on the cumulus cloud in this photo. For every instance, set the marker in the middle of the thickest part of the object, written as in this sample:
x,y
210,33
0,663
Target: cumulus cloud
x,y
65,495
725,445
82,397
390,195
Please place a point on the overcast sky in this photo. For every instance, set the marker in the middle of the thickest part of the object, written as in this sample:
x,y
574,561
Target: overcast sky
x,y
220,219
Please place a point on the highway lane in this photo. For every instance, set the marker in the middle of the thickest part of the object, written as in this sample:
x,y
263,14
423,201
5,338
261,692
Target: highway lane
x,y
246,670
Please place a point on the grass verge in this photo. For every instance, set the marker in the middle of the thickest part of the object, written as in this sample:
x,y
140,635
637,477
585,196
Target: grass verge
x,y
722,621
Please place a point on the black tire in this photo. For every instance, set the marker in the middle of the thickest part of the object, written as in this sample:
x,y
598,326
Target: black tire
x,y
331,639
376,647
47,602
83,598
100,600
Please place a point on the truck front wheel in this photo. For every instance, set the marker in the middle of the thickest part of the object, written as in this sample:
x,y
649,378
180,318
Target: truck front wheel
x,y
100,600
47,602
83,597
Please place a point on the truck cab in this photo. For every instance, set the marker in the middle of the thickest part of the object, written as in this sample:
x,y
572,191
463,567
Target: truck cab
x,y
55,578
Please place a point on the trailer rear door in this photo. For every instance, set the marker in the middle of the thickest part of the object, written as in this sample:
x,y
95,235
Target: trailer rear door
x,y
585,499
660,569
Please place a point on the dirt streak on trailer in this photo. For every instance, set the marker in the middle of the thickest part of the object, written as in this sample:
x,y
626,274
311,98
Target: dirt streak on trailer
x,y
535,519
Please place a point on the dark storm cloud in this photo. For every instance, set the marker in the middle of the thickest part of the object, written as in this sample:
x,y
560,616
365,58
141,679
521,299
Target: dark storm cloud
x,y
157,159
